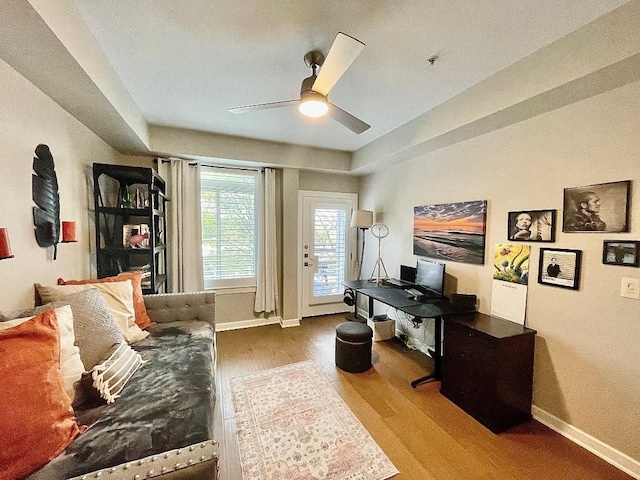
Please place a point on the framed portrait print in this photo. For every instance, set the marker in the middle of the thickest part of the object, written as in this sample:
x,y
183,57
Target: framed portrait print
x,y
532,226
597,208
621,252
559,267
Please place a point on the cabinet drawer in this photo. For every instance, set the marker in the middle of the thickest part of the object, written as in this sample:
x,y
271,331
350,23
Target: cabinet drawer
x,y
469,351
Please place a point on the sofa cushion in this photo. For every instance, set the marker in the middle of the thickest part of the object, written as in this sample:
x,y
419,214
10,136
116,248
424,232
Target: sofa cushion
x,y
168,403
117,295
96,329
36,418
70,363
141,317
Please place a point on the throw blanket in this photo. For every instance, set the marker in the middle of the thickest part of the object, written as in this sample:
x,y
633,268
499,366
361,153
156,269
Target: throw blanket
x,y
167,404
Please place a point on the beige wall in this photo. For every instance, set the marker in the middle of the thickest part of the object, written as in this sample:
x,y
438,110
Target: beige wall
x,y
28,117
326,182
587,350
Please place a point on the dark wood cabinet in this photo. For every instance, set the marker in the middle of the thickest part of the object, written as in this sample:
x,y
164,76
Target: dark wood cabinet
x,y
487,368
131,201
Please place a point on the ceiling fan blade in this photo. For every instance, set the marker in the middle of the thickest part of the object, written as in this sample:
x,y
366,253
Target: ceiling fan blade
x,y
343,52
263,106
345,118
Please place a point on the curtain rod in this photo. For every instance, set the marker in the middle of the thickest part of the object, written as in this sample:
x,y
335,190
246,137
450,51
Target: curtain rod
x,y
193,164
258,169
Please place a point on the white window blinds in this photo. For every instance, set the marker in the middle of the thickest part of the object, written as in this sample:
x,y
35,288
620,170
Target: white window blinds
x,y
228,204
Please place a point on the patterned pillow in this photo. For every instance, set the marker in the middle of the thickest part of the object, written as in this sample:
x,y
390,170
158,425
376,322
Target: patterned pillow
x,y
117,295
96,331
111,375
142,319
36,419
70,361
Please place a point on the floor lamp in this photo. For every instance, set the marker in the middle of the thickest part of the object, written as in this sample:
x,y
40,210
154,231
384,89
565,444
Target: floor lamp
x,y
362,220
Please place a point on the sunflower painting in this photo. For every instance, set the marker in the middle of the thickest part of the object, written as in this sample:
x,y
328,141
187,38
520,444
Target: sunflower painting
x,y
511,263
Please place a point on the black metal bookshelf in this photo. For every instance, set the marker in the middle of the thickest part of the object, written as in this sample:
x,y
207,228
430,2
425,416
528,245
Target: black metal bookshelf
x,y
130,222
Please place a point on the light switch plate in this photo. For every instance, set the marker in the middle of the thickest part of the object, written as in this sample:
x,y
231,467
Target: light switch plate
x,y
630,288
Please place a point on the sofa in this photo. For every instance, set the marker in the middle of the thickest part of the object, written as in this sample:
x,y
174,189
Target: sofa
x,y
160,425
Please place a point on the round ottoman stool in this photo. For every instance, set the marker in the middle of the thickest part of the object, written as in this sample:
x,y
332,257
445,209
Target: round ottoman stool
x,y
353,347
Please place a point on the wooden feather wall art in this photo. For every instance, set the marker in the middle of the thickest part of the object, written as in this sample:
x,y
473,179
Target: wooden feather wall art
x,y
44,186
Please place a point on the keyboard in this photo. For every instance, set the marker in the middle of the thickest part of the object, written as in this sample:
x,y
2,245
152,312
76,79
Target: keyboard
x,y
413,292
420,295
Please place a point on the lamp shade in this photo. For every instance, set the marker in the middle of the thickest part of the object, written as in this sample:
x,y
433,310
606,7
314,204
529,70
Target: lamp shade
x,y
362,218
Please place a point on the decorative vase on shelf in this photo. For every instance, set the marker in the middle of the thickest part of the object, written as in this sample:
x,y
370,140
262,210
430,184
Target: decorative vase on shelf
x,y
125,197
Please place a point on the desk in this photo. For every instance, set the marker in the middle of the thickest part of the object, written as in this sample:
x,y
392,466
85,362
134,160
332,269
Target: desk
x,y
392,296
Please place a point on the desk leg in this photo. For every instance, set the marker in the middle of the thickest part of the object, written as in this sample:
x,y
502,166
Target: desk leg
x,y
437,356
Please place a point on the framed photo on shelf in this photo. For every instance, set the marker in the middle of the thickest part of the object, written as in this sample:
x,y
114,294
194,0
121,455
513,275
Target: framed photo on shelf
x,y
532,226
597,208
560,267
621,252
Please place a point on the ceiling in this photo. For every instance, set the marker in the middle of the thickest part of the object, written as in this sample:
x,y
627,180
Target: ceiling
x,y
185,63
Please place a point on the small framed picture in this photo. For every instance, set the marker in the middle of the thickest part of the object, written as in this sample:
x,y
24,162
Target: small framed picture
x,y
597,208
532,226
616,252
560,267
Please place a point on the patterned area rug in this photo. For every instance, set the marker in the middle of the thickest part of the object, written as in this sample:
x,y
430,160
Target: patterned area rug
x,y
293,425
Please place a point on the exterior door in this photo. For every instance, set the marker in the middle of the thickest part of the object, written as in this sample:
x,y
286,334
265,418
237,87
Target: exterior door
x,y
326,254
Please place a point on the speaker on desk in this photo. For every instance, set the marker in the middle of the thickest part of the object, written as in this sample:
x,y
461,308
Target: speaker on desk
x,y
464,300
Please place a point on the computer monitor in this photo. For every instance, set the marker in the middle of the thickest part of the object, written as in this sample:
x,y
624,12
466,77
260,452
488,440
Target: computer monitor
x,y
430,275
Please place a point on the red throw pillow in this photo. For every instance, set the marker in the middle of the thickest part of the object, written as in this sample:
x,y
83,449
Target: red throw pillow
x,y
36,419
142,319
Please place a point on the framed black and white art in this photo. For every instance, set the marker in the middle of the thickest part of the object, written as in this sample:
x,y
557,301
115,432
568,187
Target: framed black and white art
x,y
532,226
559,267
597,208
621,252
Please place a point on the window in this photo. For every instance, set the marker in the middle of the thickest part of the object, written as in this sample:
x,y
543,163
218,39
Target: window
x,y
229,226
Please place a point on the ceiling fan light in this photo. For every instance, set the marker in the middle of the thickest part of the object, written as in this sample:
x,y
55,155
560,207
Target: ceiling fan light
x,y
313,108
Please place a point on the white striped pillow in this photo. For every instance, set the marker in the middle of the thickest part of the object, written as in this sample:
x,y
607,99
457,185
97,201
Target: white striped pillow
x,y
111,375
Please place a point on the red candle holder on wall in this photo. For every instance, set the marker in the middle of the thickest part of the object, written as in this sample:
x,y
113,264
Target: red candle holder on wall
x,y
69,232
5,247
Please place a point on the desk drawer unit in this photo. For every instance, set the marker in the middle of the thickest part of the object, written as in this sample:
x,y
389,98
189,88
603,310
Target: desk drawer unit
x,y
487,369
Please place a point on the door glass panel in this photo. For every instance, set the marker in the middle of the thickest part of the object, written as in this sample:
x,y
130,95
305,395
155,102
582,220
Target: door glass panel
x,y
329,248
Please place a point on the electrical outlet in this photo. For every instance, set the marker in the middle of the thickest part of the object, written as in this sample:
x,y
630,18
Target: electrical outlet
x,y
630,288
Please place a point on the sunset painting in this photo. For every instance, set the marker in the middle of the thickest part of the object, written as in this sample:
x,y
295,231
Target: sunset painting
x,y
451,231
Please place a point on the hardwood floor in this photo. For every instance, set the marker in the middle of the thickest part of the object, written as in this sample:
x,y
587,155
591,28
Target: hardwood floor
x,y
425,435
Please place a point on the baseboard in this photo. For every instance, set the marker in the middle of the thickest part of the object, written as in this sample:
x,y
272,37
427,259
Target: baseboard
x,y
292,322
253,322
595,446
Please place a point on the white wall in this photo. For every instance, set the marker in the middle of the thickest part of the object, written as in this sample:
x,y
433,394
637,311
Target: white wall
x,y
587,350
28,117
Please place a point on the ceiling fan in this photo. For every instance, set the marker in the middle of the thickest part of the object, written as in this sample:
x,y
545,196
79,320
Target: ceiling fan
x,y
313,100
